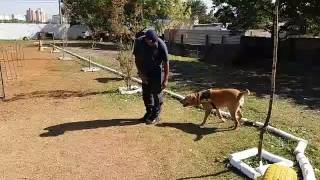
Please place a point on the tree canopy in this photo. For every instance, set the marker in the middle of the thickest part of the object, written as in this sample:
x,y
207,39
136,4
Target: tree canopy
x,y
298,16
133,15
117,16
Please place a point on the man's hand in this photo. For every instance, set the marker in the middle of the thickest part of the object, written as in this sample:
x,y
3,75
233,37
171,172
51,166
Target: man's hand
x,y
143,78
164,85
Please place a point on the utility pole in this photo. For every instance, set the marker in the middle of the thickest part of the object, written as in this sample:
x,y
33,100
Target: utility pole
x,y
60,13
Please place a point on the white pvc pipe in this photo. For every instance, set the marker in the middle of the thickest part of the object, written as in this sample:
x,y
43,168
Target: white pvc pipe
x,y
244,168
280,132
306,167
276,159
301,147
253,173
244,154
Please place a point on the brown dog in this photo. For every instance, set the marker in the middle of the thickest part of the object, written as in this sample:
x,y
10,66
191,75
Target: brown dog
x,y
232,99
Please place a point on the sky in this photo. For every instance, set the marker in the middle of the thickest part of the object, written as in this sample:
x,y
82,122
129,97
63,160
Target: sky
x,y
207,2
49,6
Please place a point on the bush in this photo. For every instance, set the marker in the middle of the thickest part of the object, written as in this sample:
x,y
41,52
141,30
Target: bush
x,y
126,61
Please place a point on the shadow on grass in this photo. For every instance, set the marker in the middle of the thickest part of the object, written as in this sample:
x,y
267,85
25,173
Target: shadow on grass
x,y
195,129
107,80
60,129
56,94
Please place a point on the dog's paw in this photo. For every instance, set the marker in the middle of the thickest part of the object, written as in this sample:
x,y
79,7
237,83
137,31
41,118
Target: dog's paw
x,y
236,127
223,120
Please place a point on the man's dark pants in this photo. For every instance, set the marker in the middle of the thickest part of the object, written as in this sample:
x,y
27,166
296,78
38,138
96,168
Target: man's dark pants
x,y
152,95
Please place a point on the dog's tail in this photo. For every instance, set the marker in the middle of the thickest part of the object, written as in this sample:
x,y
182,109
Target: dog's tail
x,y
243,93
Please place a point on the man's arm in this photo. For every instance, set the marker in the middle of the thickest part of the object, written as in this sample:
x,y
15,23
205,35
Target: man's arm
x,y
138,65
166,68
166,74
138,60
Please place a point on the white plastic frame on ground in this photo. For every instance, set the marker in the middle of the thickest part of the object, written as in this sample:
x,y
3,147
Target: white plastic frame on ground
x,y
65,58
253,173
134,90
90,69
304,163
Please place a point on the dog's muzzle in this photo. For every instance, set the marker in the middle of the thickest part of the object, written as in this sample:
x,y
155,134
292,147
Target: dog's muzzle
x,y
183,103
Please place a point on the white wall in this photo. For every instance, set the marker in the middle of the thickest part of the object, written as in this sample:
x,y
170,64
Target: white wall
x,y
198,37
12,31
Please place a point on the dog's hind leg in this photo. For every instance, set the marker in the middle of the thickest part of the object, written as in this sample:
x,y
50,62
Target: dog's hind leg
x,y
220,116
208,111
239,115
233,113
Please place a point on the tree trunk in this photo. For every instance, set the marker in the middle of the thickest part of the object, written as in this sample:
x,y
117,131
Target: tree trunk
x,y
273,77
128,83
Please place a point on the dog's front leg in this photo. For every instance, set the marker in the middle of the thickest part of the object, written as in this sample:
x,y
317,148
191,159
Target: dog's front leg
x,y
208,111
220,116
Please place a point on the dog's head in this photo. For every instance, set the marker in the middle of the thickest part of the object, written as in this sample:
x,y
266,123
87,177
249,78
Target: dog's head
x,y
190,100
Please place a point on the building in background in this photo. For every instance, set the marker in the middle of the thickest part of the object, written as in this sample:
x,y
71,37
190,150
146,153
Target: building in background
x,y
55,19
29,15
36,16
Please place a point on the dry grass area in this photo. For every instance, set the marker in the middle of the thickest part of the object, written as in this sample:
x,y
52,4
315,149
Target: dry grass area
x,y
61,123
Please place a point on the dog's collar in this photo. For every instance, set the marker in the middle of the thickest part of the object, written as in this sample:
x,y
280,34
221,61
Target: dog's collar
x,y
205,95
198,98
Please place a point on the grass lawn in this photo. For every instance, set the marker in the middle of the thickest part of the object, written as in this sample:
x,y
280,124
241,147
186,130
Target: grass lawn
x,y
189,75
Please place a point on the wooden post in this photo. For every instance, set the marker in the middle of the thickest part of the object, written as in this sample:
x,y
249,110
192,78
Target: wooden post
x,y
40,45
207,40
181,39
60,12
2,83
273,78
222,39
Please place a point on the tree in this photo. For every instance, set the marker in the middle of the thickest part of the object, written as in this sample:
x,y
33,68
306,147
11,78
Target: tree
x,y
101,16
90,13
299,16
127,16
165,14
198,10
126,62
209,18
133,15
244,14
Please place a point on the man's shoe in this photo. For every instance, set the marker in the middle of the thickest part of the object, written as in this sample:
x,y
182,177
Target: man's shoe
x,y
144,118
153,121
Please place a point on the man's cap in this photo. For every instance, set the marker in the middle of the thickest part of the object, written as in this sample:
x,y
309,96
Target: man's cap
x,y
152,35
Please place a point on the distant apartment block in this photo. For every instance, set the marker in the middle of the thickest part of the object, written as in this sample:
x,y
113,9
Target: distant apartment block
x,y
36,16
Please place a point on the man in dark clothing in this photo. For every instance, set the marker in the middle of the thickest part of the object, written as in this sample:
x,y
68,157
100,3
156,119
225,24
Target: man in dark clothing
x,y
152,61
